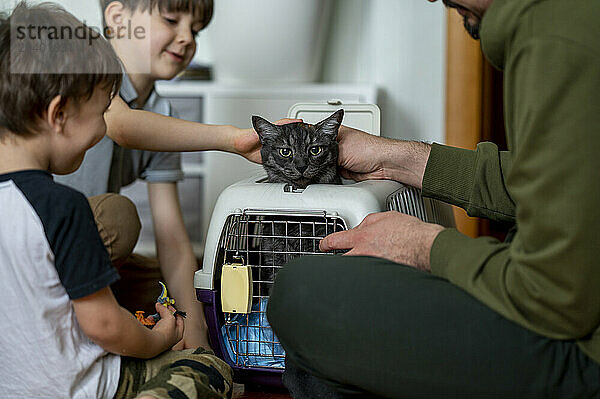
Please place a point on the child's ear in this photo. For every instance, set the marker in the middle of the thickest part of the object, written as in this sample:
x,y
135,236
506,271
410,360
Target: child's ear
x,y
56,115
114,18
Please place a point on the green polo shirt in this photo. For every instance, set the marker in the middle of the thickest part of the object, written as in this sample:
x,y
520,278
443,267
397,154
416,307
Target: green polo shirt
x,y
547,278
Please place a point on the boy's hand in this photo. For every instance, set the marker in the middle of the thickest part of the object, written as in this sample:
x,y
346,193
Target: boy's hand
x,y
169,326
247,144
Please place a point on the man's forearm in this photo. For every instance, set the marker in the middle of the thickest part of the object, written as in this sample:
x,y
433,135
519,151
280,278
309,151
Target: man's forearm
x,y
474,180
405,161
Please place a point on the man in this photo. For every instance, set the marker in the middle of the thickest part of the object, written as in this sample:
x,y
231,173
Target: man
x,y
422,311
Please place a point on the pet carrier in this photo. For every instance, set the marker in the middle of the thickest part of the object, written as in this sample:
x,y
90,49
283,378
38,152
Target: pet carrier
x,y
255,229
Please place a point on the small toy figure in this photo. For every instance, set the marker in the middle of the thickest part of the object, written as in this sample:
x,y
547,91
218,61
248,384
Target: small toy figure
x,y
163,299
147,321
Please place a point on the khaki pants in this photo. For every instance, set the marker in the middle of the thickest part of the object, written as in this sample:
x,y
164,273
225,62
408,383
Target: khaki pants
x,y
119,227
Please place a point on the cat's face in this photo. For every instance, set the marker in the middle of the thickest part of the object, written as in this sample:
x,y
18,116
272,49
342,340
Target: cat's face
x,y
299,153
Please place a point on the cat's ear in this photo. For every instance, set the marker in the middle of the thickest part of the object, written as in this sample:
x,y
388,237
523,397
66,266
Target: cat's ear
x,y
331,125
263,127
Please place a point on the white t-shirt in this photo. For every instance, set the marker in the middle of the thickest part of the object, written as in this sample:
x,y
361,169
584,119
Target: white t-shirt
x,y
50,253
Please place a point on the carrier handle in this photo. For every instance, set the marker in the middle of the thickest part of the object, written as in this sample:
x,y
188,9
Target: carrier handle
x,y
291,212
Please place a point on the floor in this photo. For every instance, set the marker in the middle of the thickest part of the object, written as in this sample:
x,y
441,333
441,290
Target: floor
x,y
247,392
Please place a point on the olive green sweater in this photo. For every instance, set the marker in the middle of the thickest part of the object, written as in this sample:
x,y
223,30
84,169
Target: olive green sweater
x,y
547,278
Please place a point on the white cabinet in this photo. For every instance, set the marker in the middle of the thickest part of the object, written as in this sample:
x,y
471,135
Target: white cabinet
x,y
208,173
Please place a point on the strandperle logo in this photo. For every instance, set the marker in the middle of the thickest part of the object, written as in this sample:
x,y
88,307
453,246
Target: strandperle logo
x,y
82,32
54,39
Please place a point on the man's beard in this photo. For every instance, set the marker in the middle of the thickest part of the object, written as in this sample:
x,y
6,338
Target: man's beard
x,y
472,29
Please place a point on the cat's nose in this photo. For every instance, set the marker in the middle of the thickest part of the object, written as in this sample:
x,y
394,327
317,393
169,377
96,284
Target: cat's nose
x,y
301,168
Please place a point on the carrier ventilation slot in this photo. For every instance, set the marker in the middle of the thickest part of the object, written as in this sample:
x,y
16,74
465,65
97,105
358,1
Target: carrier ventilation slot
x,y
408,200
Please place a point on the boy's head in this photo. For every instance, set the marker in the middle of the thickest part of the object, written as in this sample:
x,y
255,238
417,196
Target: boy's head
x,y
155,37
57,77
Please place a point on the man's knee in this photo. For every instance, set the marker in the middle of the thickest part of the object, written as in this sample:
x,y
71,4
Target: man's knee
x,y
297,297
290,296
280,297
118,223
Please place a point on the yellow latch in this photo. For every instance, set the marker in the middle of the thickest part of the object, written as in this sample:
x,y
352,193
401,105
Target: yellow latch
x,y
236,288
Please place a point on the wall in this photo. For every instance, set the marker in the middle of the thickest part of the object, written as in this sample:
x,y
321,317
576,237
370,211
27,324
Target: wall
x,y
400,46
397,44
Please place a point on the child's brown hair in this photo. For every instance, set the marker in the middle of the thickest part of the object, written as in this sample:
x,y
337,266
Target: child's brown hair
x,y
200,9
39,60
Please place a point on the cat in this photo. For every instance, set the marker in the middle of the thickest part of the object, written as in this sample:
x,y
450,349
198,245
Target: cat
x,y
297,154
300,153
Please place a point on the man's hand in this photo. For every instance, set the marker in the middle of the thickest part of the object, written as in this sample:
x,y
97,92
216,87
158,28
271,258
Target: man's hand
x,y
390,235
247,143
359,156
364,156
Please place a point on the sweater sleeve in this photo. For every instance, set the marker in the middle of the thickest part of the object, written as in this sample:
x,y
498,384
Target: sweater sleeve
x,y
472,180
547,278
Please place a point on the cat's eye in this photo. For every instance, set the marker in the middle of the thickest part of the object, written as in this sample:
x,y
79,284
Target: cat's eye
x,y
285,152
316,150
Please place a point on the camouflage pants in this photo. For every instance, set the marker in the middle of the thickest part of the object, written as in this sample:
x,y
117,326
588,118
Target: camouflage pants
x,y
176,374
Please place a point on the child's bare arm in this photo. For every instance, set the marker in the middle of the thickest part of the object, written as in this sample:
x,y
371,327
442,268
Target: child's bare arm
x,y
144,130
117,331
177,260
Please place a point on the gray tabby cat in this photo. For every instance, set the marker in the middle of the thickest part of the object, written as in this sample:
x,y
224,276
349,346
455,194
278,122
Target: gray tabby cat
x,y
298,154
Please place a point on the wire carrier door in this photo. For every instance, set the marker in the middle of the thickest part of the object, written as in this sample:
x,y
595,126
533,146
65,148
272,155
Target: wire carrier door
x,y
260,242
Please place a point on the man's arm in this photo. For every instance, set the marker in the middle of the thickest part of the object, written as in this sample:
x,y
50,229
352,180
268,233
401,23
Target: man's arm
x,y
472,180
177,260
363,156
117,331
446,173
547,279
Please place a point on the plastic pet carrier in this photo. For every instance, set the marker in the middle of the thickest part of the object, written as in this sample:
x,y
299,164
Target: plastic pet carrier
x,y
255,229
